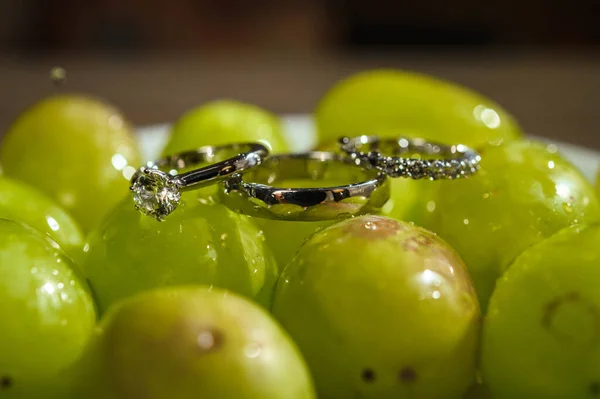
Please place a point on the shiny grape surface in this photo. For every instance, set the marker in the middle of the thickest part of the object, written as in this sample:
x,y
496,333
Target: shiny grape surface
x,y
540,337
46,314
394,103
381,309
523,193
192,342
79,151
25,204
226,122
201,242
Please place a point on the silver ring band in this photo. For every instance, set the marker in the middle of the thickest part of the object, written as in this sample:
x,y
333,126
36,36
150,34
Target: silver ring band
x,y
156,187
254,192
454,162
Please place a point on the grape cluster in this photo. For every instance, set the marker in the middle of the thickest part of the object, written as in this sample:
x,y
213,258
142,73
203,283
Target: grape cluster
x,y
482,285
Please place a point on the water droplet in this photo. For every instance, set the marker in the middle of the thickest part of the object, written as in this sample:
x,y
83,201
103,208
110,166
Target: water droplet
x,y
466,221
52,223
551,164
115,121
486,195
55,272
58,75
490,118
60,286
86,247
431,206
205,340
209,340
568,207
252,350
552,148
436,295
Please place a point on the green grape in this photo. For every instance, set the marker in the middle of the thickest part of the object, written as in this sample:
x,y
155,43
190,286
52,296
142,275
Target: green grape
x,y
46,314
391,103
192,342
25,204
226,122
285,237
381,309
409,199
77,150
523,193
540,338
201,242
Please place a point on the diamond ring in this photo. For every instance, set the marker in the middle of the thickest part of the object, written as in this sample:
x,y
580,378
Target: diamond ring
x,y
308,186
157,186
453,161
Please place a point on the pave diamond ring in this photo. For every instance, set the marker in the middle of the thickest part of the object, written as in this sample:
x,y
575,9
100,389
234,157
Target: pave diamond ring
x,y
156,187
307,186
448,161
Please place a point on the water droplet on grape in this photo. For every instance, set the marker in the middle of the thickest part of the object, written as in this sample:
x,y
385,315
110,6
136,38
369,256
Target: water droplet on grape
x,y
209,340
431,206
252,350
568,207
115,122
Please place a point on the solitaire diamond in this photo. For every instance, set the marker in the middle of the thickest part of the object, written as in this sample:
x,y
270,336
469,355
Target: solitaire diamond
x,y
155,193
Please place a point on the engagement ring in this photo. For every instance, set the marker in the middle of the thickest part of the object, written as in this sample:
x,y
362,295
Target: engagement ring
x,y
157,187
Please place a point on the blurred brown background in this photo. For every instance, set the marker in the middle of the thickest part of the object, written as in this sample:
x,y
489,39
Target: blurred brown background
x,y
155,59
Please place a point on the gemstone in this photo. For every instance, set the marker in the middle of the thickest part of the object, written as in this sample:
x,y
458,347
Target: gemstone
x,y
155,193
